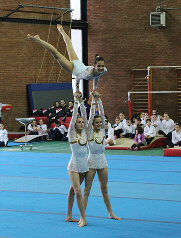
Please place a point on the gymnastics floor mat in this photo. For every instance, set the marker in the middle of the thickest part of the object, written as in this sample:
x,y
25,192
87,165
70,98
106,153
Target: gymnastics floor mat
x,y
125,143
29,138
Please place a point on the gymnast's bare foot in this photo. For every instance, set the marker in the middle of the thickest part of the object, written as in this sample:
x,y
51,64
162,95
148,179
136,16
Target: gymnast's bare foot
x,y
60,28
70,219
33,38
112,216
82,222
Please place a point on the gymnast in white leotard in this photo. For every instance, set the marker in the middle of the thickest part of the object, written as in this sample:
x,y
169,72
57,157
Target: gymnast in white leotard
x,y
74,65
78,165
96,159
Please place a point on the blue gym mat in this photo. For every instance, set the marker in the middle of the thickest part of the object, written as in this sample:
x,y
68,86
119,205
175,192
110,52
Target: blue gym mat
x,y
144,191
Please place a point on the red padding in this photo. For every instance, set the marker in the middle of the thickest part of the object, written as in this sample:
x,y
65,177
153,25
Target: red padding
x,y
156,143
116,148
14,136
68,119
6,107
172,152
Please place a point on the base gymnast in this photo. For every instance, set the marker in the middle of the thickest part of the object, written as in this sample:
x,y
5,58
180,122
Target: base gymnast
x,y
96,159
74,65
78,164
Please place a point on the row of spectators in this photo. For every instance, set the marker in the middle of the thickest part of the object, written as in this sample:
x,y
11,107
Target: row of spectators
x,y
143,129
57,133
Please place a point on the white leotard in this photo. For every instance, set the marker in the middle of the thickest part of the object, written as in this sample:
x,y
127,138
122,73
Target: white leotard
x,y
96,141
78,162
81,71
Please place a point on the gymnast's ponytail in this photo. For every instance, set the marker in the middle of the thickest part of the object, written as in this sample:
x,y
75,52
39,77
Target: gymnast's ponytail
x,y
98,58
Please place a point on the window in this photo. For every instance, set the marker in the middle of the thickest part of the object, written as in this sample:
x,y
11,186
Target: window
x,y
76,5
79,36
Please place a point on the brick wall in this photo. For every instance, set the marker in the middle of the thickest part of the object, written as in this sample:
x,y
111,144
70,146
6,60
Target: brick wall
x,y
21,58
118,30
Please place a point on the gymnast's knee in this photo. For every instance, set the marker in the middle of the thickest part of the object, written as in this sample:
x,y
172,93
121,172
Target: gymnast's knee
x,y
104,190
87,191
71,191
78,193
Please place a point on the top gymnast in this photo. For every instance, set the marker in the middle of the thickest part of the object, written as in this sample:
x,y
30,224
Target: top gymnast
x,y
74,65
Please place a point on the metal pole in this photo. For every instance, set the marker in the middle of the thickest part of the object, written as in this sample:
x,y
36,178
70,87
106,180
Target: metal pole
x,y
149,96
0,110
163,66
129,105
53,8
157,92
13,11
25,135
62,14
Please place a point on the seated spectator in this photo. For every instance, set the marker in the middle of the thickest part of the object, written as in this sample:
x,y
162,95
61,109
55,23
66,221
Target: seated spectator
x,y
176,137
133,117
32,128
41,128
109,124
55,105
70,108
149,131
109,134
122,118
52,113
143,121
139,139
58,133
156,123
167,126
3,135
138,123
142,115
118,128
155,111
68,112
129,130
62,110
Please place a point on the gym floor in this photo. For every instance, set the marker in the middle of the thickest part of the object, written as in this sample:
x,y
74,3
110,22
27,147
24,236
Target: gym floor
x,y
144,189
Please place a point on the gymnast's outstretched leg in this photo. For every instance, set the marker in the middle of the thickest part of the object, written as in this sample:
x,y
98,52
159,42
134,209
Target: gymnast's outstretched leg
x,y
65,63
69,46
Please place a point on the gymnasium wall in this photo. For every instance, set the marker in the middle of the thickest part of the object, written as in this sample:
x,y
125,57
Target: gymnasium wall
x,y
21,59
118,30
43,96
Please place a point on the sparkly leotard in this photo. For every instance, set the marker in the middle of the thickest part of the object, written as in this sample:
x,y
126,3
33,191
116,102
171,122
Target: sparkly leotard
x,y
81,71
96,141
78,143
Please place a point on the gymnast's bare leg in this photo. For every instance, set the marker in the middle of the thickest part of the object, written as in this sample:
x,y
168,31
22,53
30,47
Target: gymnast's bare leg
x,y
70,200
75,182
68,65
102,175
69,46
